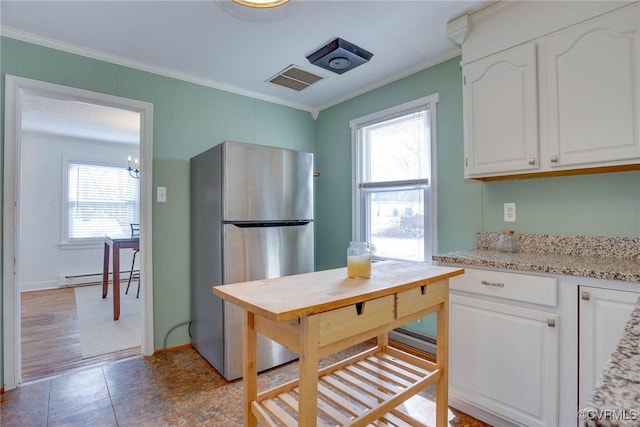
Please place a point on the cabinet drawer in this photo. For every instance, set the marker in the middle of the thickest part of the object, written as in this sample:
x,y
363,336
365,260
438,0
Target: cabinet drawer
x,y
417,299
352,320
512,286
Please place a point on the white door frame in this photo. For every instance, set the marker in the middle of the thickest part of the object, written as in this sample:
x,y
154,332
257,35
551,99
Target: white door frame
x,y
15,87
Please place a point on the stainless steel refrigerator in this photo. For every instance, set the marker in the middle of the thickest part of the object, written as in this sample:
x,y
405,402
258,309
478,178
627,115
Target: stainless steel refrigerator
x,y
251,218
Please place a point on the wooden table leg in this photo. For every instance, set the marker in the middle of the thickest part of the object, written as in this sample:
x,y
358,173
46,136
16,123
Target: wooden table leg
x,y
308,381
105,271
383,341
442,356
116,281
249,367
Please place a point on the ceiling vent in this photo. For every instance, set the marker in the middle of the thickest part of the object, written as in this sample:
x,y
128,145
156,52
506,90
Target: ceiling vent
x,y
339,56
295,78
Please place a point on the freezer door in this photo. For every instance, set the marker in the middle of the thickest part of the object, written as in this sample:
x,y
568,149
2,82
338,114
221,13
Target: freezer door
x,y
253,253
263,183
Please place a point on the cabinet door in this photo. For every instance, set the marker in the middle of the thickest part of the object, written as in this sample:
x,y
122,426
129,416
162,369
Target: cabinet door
x,y
592,72
603,316
504,360
501,113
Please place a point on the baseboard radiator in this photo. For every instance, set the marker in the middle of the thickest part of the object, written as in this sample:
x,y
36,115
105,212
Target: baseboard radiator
x,y
414,339
89,279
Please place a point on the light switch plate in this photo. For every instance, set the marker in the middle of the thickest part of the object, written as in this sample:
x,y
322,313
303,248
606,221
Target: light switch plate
x,y
510,212
161,194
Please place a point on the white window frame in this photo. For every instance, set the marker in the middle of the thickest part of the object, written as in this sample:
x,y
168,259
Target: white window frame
x,y
84,243
359,223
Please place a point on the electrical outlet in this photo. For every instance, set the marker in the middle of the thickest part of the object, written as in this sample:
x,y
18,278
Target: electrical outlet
x,y
510,212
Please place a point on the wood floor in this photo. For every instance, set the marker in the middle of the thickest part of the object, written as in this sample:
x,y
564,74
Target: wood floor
x,y
51,335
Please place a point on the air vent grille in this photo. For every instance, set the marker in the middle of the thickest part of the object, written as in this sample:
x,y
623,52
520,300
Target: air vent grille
x,y
295,78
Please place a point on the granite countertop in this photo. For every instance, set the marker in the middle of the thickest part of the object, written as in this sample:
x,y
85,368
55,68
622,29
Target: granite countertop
x,y
611,258
616,398
627,270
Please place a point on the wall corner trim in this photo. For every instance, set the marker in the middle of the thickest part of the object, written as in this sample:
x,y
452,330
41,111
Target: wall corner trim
x,y
459,28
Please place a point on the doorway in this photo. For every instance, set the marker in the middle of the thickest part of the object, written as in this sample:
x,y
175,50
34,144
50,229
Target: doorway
x,y
36,121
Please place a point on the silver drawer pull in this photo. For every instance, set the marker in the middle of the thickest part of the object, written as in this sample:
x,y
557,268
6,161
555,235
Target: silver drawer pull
x,y
494,284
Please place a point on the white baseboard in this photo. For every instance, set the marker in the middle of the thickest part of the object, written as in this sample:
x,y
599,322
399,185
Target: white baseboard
x,y
68,281
477,413
39,286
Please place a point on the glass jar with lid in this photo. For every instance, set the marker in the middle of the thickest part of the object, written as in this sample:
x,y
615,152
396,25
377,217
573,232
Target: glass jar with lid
x,y
508,241
359,260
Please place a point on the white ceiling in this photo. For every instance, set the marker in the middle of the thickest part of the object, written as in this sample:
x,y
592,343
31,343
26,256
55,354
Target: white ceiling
x,y
224,45
232,47
77,119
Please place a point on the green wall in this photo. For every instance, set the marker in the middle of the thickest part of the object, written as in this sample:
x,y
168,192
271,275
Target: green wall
x,y
603,204
188,119
594,205
459,202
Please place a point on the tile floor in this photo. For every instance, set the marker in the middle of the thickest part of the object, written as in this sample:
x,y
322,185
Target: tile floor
x,y
176,388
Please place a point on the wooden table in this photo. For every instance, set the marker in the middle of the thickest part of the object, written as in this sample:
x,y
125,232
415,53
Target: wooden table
x,y
116,244
317,314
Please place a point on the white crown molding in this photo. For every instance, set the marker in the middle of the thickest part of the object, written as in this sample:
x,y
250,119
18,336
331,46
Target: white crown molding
x,y
422,66
490,9
114,59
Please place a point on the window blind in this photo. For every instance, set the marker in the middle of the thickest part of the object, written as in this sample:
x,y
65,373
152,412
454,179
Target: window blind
x,y
395,149
102,200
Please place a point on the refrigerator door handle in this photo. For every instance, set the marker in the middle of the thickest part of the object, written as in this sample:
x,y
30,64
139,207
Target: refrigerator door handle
x,y
256,224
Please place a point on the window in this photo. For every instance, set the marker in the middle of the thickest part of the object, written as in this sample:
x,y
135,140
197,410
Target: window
x,y
393,180
102,200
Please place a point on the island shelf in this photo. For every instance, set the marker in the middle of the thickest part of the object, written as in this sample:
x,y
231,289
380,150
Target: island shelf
x,y
356,391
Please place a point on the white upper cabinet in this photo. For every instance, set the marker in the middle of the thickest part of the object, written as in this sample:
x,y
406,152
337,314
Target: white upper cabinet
x,y
501,112
592,82
564,101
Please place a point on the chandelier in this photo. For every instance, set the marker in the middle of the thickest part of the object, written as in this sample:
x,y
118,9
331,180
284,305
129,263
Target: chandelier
x,y
134,170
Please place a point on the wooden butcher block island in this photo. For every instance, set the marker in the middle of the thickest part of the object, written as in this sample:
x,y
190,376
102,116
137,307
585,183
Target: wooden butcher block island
x,y
320,313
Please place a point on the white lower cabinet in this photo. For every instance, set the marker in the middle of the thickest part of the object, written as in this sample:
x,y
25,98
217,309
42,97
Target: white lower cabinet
x,y
504,359
509,359
603,315
528,349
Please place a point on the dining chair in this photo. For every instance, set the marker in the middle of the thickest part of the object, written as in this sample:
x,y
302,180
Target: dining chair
x,y
134,274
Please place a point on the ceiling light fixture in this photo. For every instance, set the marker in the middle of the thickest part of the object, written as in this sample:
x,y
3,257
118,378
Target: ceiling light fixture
x,y
261,3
